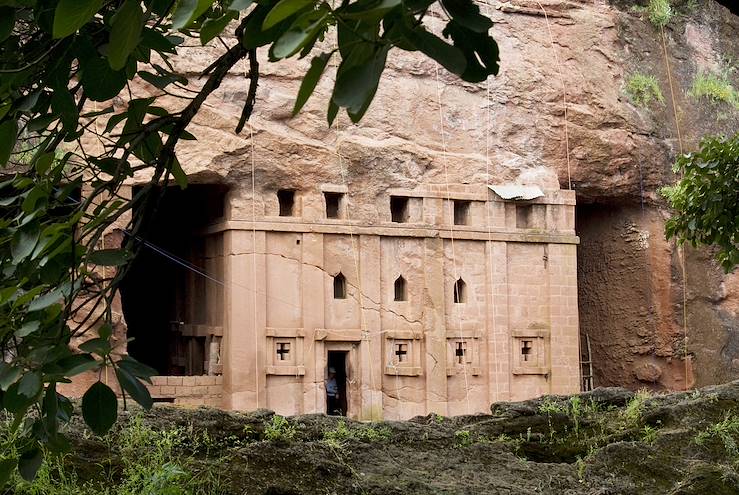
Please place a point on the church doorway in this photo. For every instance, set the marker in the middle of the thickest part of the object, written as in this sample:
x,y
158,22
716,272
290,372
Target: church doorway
x,y
337,363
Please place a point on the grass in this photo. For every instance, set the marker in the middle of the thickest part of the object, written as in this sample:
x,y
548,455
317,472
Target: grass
x,y
643,89
726,430
148,462
279,430
716,88
632,414
341,434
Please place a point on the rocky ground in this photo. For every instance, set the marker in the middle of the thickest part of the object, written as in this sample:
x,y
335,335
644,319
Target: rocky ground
x,y
609,441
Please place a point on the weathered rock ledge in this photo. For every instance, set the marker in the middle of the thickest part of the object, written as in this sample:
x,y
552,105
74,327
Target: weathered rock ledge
x,y
609,441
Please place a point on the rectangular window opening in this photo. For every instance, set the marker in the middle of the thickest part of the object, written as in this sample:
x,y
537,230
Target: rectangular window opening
x,y
461,212
286,198
333,204
399,209
524,216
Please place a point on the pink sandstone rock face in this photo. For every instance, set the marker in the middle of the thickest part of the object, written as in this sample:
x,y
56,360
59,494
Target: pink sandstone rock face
x,y
428,129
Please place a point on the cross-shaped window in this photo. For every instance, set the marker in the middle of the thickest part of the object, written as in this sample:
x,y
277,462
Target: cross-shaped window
x,y
526,349
401,350
460,352
283,349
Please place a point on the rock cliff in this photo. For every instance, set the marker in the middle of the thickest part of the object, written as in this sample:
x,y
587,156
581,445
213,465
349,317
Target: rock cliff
x,y
558,115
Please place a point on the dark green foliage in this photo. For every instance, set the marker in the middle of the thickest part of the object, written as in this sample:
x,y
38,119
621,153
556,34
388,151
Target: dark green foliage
x,y
60,60
706,199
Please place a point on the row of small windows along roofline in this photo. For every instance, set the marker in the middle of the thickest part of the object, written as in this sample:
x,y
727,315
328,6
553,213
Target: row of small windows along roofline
x,y
400,290
399,206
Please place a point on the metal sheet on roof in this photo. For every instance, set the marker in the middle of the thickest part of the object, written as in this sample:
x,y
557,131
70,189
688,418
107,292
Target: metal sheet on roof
x,y
516,192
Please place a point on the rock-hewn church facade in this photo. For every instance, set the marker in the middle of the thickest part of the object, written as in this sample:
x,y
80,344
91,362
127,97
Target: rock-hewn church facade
x,y
441,299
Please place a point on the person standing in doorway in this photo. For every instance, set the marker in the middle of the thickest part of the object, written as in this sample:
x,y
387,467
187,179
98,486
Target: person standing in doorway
x,y
332,394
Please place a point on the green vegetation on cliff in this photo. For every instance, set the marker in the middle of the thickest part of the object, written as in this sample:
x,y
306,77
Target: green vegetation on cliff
x,y
605,441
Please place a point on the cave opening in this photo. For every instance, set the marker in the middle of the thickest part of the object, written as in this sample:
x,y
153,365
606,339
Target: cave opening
x,y
171,296
617,309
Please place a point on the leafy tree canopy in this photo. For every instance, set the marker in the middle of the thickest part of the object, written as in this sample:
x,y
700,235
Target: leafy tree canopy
x,y
58,60
706,199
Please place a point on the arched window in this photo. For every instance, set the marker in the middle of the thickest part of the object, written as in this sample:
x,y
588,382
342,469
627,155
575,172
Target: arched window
x,y
460,291
340,286
400,290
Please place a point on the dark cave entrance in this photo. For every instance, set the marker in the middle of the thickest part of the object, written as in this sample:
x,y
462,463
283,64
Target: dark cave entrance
x,y
170,308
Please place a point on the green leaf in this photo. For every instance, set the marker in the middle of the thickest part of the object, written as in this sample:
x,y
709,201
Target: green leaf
x,y
101,83
70,15
179,175
46,300
76,364
42,122
153,39
97,345
333,110
8,135
467,14
113,121
283,10
305,28
7,21
63,105
134,388
187,11
161,82
29,463
238,5
30,385
99,408
125,33
14,401
310,81
136,368
8,375
6,470
450,57
32,198
27,329
370,11
108,257
105,331
213,27
23,242
479,50
44,162
50,407
357,81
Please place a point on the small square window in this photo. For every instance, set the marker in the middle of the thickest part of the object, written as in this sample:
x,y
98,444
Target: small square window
x,y
286,198
461,212
524,216
399,209
333,204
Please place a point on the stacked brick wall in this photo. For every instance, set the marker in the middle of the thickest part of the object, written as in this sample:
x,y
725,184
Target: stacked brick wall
x,y
188,390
